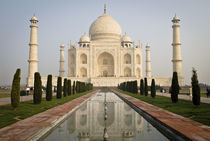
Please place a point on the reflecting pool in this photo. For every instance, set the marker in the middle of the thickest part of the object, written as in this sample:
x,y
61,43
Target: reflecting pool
x,y
105,117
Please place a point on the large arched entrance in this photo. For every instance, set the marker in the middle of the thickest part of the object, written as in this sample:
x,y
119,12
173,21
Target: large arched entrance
x,y
105,65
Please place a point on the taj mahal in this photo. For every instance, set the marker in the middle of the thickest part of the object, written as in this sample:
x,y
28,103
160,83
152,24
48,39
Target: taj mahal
x,y
106,57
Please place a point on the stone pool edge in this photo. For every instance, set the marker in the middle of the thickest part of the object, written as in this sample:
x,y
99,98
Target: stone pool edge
x,y
34,127
186,130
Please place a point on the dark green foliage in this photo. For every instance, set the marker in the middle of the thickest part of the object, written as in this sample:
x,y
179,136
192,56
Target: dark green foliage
x,y
77,87
49,88
73,91
23,93
153,88
145,87
89,86
15,93
174,88
142,87
59,88
135,87
129,86
37,98
65,87
69,87
195,88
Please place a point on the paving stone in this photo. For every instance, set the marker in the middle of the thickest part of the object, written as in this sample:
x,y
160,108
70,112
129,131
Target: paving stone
x,y
27,128
191,129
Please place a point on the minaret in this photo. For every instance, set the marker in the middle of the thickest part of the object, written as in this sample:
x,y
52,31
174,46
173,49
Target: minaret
x,y
148,62
33,53
61,69
177,59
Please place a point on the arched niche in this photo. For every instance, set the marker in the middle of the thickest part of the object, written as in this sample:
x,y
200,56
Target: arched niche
x,y
105,64
138,60
138,72
127,59
127,72
83,58
83,72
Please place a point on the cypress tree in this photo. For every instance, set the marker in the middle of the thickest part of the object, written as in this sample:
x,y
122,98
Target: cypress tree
x,y
174,88
69,87
135,87
76,87
59,88
65,88
145,87
49,88
37,98
142,87
73,87
127,86
153,88
15,92
195,88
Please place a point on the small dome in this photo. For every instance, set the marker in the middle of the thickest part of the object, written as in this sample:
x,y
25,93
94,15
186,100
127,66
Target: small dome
x,y
175,19
34,18
105,27
126,38
84,38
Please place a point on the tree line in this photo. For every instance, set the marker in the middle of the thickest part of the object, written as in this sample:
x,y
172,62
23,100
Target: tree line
x,y
131,86
64,90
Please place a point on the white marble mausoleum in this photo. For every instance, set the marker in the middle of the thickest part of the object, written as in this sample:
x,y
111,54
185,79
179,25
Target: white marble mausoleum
x,y
105,57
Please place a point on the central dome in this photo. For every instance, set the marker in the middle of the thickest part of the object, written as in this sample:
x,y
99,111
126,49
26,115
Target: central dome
x,y
105,27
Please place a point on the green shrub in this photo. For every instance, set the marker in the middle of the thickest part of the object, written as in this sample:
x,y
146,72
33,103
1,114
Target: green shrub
x,y
65,87
174,88
145,87
142,87
73,91
23,93
37,97
15,92
69,87
153,88
49,88
195,88
59,88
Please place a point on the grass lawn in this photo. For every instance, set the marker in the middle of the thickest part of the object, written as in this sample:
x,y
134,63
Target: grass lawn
x,y
4,91
27,109
4,95
184,108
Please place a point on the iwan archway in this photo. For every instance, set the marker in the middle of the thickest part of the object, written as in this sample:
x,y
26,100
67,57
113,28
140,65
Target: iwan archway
x,y
105,65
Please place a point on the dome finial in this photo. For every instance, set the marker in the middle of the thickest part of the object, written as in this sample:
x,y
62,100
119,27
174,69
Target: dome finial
x,y
104,8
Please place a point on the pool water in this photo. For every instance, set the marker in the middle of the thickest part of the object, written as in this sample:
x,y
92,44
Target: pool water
x,y
105,117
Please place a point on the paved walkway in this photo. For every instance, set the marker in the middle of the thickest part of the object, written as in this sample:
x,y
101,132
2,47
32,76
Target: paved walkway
x,y
189,128
7,100
28,128
185,97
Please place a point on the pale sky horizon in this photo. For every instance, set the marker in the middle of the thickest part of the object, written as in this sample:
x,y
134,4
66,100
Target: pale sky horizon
x,y
146,20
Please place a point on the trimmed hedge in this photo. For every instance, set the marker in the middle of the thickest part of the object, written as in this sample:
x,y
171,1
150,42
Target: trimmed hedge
x,y
15,92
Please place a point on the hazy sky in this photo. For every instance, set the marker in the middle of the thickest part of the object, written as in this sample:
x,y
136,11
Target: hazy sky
x,y
64,20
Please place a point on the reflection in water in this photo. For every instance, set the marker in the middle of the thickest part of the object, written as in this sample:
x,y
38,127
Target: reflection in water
x,y
88,123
